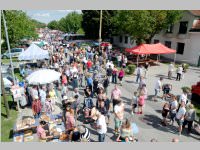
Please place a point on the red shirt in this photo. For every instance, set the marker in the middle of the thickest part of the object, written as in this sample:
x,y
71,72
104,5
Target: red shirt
x,y
89,64
37,106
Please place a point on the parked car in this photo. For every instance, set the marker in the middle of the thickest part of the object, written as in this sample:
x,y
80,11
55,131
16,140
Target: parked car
x,y
196,93
14,52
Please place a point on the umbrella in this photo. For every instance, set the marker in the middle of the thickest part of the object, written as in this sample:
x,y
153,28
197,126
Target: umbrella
x,y
134,128
43,76
7,82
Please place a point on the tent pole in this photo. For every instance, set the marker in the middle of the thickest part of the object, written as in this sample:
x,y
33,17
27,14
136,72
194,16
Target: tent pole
x,y
137,59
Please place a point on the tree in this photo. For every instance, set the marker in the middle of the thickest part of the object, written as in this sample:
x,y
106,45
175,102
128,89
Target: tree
x,y
53,25
38,24
142,25
70,23
19,25
90,23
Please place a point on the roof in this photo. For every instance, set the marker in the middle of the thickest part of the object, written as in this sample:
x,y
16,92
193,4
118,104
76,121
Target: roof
x,y
195,12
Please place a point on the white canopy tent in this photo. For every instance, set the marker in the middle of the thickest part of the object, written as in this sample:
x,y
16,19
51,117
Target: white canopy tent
x,y
34,52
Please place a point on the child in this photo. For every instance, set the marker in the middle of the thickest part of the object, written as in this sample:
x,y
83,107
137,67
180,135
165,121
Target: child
x,y
165,113
48,106
141,100
36,107
134,102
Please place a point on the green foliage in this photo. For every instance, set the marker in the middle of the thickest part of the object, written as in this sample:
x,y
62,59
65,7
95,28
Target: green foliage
x,y
130,69
38,24
19,25
70,23
91,21
53,25
142,25
186,89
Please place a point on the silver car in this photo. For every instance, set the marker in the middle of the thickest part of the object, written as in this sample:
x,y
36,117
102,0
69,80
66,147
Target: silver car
x,y
14,52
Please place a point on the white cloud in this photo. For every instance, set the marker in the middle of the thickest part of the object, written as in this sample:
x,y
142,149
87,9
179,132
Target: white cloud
x,y
41,15
62,10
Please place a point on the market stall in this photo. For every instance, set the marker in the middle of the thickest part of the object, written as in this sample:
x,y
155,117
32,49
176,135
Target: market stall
x,y
25,129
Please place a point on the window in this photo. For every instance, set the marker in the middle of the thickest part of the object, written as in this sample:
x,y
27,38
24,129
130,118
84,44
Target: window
x,y
180,48
170,29
126,39
156,41
120,39
168,44
183,27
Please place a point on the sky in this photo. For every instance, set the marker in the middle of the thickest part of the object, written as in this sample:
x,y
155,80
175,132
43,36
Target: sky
x,y
46,16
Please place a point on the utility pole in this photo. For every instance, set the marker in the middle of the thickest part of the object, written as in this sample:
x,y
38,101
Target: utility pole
x,y
4,98
100,27
8,45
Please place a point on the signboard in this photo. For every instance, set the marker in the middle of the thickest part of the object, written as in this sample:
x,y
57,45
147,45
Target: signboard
x,y
16,91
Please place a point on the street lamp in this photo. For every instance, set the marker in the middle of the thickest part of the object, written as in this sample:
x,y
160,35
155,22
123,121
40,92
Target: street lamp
x,y
100,26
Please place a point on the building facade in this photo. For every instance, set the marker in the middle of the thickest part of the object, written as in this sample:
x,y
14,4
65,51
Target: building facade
x,y
183,36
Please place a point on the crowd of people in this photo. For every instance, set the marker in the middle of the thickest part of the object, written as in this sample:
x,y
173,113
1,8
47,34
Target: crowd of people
x,y
93,70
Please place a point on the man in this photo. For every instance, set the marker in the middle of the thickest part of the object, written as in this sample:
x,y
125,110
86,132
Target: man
x,y
179,73
89,65
119,115
101,126
119,60
109,73
43,94
139,73
158,88
141,83
115,95
170,70
180,117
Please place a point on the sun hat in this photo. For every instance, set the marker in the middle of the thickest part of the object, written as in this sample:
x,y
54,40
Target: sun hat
x,y
65,97
36,97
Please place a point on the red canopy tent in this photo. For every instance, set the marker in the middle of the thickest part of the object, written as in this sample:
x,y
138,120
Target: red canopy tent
x,y
150,49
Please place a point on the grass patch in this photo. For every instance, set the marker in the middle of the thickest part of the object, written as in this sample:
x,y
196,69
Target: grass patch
x,y
17,74
7,124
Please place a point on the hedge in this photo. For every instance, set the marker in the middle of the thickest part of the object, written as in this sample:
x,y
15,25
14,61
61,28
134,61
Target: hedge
x,y
130,69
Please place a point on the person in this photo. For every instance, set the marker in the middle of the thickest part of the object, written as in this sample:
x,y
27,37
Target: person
x,y
183,97
48,107
141,83
36,107
141,101
109,73
180,117
158,87
144,91
64,79
89,65
41,132
179,73
119,115
42,93
115,95
138,73
189,118
121,75
106,84
101,127
119,60
146,66
114,75
107,106
95,86
170,70
89,81
64,90
165,113
75,81
173,108
75,92
134,102
166,88
70,120
126,133
34,93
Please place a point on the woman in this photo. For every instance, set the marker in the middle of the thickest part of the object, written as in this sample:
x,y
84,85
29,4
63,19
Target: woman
x,y
141,101
165,113
48,106
70,119
126,133
173,108
189,118
75,81
36,107
143,91
41,132
64,79
121,75
52,95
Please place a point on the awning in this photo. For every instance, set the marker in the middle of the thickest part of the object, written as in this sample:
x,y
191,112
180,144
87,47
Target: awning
x,y
150,49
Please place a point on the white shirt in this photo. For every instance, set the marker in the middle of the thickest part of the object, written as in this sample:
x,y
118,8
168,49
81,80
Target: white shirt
x,y
158,85
174,104
119,58
180,70
119,110
135,100
180,113
101,121
183,98
171,67
139,70
74,70
108,64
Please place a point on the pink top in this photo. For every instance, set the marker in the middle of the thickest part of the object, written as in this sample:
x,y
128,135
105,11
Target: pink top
x,y
41,132
116,93
141,100
70,121
121,73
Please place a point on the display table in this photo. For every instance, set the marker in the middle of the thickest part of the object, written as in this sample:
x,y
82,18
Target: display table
x,y
20,135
